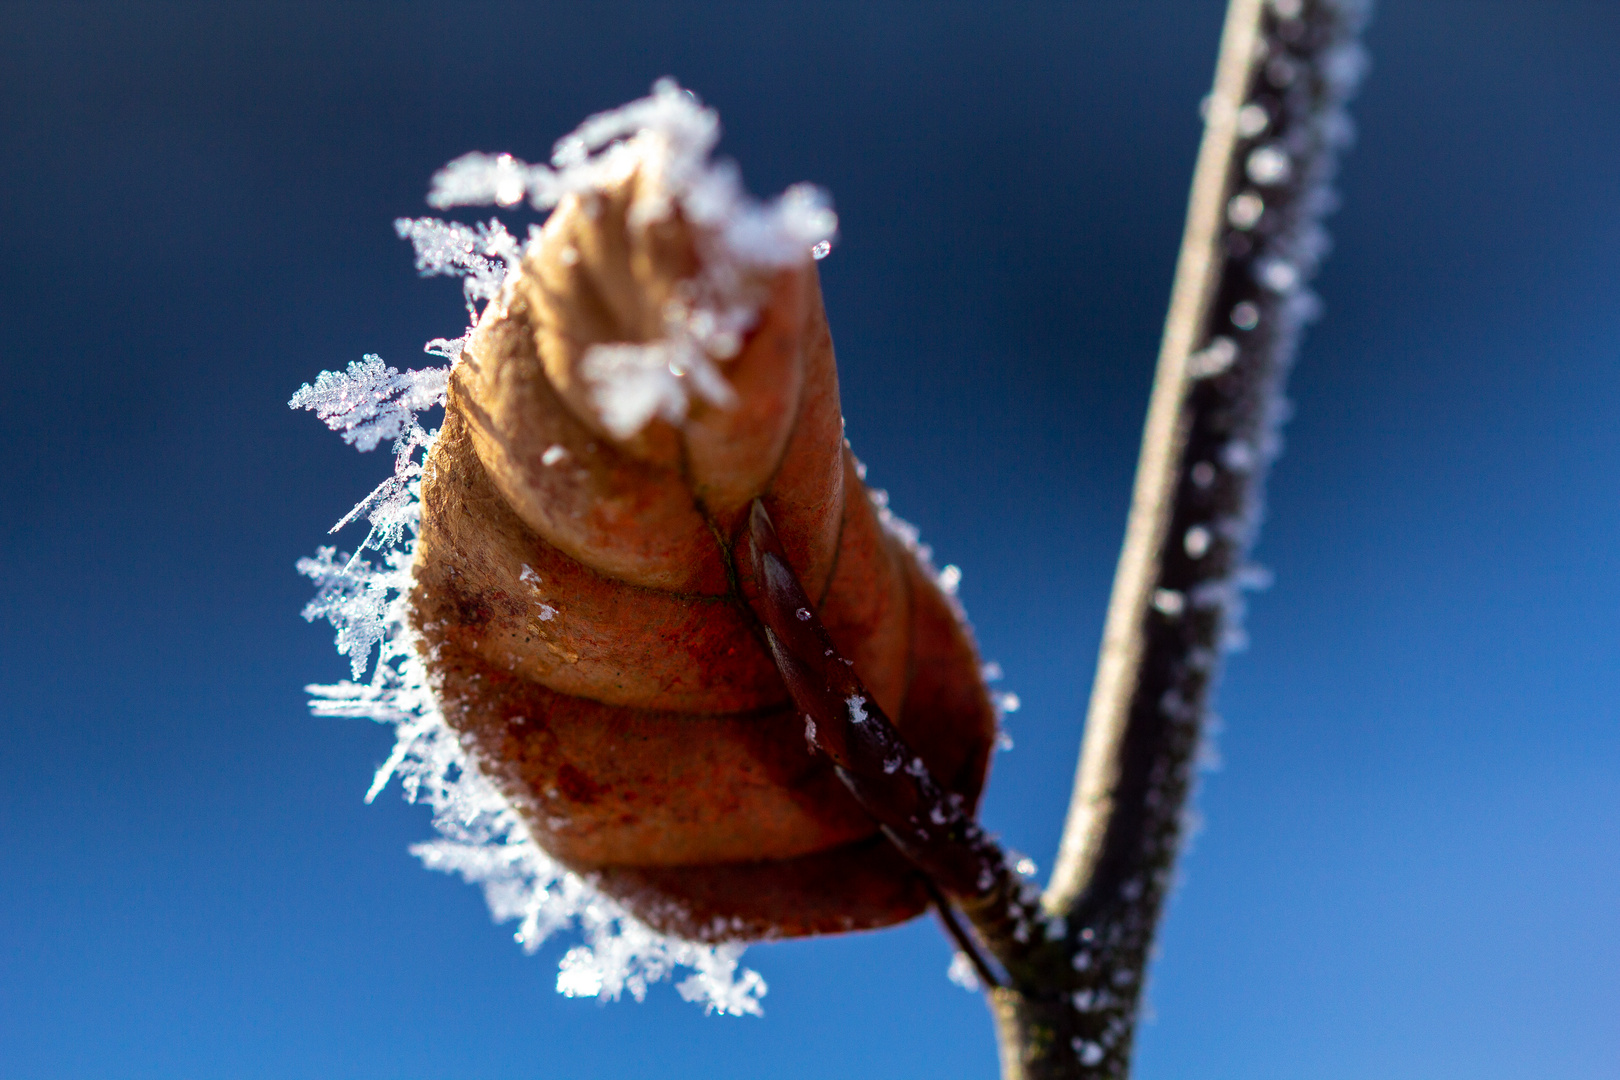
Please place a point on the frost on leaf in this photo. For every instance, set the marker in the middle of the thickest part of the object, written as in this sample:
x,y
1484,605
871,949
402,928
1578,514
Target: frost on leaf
x,y
371,402
482,254
482,836
668,138
367,404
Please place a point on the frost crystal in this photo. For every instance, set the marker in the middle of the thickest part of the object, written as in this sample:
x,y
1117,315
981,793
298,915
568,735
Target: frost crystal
x,y
482,835
371,401
483,254
961,972
667,138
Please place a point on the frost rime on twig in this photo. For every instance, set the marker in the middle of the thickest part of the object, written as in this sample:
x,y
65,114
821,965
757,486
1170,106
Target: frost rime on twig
x,y
1275,123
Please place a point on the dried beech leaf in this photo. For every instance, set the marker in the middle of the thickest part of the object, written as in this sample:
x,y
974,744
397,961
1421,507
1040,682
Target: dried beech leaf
x,y
576,597
561,643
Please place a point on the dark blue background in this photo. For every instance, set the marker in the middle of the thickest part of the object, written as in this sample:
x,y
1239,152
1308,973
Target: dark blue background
x,y
1413,858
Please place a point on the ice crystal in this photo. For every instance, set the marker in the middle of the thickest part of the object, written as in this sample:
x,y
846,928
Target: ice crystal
x,y
371,401
483,254
961,972
949,581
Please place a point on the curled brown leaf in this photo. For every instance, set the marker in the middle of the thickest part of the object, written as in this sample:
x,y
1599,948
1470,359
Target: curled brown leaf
x,y
583,617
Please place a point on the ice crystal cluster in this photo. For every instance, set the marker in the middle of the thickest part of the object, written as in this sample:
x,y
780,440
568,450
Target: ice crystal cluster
x,y
668,136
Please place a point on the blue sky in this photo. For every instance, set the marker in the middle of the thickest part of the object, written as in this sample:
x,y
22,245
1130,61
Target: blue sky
x,y
1411,861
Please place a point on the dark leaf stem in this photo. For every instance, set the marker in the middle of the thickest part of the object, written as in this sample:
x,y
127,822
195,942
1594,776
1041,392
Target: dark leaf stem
x,y
927,823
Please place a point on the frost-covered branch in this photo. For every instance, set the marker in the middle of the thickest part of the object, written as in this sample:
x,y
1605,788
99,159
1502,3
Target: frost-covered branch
x,y
1274,124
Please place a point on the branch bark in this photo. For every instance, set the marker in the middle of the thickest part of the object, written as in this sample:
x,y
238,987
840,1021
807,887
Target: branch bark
x,y
1073,960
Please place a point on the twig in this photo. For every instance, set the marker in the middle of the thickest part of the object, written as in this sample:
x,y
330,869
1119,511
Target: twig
x,y
1274,124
